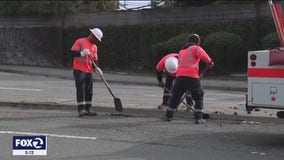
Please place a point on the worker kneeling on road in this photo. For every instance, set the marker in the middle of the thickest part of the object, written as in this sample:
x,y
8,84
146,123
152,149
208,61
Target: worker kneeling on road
x,y
83,50
168,66
188,78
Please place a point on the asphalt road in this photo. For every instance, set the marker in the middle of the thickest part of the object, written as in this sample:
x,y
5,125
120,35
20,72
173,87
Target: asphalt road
x,y
141,137
35,105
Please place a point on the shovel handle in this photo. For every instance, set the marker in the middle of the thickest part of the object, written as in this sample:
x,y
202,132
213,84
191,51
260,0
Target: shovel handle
x,y
102,77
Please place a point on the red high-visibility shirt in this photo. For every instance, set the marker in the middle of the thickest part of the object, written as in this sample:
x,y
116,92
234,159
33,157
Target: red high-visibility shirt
x,y
84,64
188,61
161,65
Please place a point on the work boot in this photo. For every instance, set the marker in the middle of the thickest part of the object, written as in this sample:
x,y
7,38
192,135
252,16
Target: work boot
x,y
200,121
91,113
167,118
162,107
82,113
89,110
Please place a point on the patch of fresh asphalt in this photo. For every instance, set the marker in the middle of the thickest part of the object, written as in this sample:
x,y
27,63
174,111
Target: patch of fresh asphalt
x,y
144,135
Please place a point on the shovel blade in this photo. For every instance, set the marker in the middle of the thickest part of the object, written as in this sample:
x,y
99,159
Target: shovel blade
x,y
117,104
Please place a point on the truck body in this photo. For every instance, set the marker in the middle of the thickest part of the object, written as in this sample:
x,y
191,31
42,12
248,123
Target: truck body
x,y
265,79
265,71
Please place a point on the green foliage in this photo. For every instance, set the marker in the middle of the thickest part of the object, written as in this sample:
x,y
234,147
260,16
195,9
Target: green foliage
x,y
125,47
139,48
226,51
271,41
17,7
170,46
248,35
181,3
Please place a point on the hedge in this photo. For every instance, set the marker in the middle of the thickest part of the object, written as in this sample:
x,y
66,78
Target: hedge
x,y
226,51
138,48
125,47
271,41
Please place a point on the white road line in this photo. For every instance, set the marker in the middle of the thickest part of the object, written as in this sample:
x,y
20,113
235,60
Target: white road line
x,y
214,99
50,135
151,95
20,89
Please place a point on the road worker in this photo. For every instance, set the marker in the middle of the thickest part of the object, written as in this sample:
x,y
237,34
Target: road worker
x,y
83,50
167,66
187,78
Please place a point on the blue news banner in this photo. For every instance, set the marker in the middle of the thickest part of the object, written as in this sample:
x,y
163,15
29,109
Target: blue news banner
x,y
29,145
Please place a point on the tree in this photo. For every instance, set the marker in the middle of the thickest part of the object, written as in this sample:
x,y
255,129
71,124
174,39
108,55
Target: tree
x,y
180,3
17,7
174,3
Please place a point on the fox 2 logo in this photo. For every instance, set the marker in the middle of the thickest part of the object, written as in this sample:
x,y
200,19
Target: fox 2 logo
x,y
29,143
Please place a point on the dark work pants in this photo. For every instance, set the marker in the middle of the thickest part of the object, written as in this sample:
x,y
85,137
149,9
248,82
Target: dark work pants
x,y
181,85
168,85
84,89
167,95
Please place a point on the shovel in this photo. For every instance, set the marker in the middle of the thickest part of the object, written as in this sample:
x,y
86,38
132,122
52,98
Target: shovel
x,y
117,101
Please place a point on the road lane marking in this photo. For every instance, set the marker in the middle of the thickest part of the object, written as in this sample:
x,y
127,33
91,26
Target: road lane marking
x,y
213,99
151,95
20,89
50,135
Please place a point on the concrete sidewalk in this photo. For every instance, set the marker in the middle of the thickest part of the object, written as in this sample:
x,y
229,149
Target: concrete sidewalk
x,y
125,78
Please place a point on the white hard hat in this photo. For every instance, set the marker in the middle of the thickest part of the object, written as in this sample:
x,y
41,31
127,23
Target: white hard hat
x,y
171,64
97,33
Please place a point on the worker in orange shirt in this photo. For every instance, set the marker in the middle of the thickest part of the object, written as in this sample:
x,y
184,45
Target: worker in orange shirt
x,y
83,50
168,66
187,78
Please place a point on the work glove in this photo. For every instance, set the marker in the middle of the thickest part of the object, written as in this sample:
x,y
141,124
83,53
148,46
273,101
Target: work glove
x,y
99,71
85,52
161,84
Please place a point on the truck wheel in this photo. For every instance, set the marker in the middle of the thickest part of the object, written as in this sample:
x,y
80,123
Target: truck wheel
x,y
280,114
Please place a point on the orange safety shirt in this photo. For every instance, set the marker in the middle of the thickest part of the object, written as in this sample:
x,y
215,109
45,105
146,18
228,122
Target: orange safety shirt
x,y
84,63
188,61
161,65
